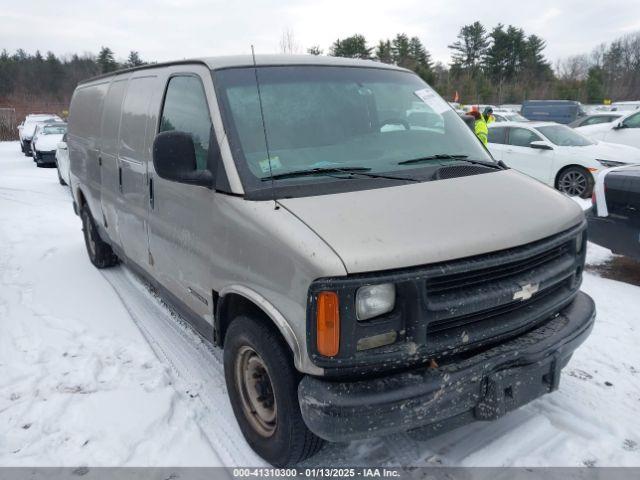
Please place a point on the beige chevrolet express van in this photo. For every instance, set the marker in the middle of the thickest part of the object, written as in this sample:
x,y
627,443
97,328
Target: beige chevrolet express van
x,y
339,231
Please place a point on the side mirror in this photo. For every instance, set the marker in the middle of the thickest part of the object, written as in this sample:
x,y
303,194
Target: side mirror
x,y
619,125
541,145
174,158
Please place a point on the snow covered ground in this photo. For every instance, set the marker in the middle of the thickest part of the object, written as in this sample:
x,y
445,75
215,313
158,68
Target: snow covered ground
x,y
94,370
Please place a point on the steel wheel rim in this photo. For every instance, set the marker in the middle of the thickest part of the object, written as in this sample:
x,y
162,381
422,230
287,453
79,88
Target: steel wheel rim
x,y
256,391
573,183
91,243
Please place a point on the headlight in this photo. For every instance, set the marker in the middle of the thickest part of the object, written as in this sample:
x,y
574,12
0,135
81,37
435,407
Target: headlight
x,y
610,163
374,300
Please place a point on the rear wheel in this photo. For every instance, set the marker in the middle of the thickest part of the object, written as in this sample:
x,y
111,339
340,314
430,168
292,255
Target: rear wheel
x,y
575,182
263,387
100,252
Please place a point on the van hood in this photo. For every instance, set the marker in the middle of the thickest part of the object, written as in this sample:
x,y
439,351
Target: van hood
x,y
423,223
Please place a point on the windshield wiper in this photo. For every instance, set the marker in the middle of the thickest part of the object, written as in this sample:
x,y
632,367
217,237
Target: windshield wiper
x,y
446,156
329,170
438,156
315,171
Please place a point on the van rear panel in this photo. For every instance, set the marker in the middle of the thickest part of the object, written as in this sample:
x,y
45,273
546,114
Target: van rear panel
x,y
83,139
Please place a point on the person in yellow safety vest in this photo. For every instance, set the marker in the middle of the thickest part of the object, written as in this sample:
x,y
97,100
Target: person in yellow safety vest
x,y
480,126
488,115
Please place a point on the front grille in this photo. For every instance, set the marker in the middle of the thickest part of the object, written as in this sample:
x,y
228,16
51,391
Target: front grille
x,y
472,300
47,157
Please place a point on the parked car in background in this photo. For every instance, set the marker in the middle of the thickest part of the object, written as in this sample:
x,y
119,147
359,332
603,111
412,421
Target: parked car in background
x,y
595,119
625,106
45,141
27,128
504,115
559,111
624,130
617,227
513,107
333,262
62,161
556,155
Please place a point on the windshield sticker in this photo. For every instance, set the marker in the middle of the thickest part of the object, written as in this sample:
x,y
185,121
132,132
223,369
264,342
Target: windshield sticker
x,y
275,164
433,100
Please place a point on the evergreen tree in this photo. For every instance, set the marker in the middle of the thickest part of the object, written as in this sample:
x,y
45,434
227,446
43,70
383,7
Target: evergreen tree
x,y
354,46
54,72
384,52
134,60
469,49
595,85
106,61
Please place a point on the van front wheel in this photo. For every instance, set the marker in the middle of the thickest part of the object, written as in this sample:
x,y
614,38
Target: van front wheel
x,y
263,387
100,252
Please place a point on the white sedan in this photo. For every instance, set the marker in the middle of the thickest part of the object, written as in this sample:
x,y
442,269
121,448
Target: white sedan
x,y
45,141
625,130
62,161
556,155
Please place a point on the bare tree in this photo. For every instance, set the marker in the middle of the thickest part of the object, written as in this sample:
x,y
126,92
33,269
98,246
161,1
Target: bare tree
x,y
288,43
573,68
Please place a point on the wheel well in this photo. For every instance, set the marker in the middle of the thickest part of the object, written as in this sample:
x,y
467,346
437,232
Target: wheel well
x,y
231,306
81,200
563,169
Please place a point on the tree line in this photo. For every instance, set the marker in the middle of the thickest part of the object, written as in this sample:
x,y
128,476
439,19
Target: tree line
x,y
507,65
36,75
503,64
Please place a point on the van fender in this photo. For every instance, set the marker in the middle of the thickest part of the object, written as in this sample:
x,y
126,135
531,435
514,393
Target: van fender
x,y
279,321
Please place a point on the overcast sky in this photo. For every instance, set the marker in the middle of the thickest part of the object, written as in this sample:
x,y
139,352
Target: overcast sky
x,y
172,29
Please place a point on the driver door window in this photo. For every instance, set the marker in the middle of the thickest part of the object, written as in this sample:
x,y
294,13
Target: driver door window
x,y
522,137
185,109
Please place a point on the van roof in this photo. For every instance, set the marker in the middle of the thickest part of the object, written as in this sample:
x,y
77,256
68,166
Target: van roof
x,y
235,61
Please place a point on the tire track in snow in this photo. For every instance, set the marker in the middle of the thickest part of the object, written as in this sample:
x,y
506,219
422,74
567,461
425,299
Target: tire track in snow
x,y
196,365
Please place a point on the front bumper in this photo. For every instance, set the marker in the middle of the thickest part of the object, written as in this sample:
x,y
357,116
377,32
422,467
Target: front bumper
x,y
45,158
483,386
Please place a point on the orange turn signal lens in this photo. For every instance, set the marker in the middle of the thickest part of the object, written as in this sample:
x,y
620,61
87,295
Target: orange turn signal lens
x,y
328,324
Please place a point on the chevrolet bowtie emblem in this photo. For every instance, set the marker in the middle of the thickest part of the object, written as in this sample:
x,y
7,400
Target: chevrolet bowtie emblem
x,y
526,292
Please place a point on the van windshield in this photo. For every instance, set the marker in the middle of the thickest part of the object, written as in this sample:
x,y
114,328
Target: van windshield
x,y
338,118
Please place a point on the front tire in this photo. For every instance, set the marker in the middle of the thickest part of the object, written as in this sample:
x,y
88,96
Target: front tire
x,y
575,182
263,387
100,252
